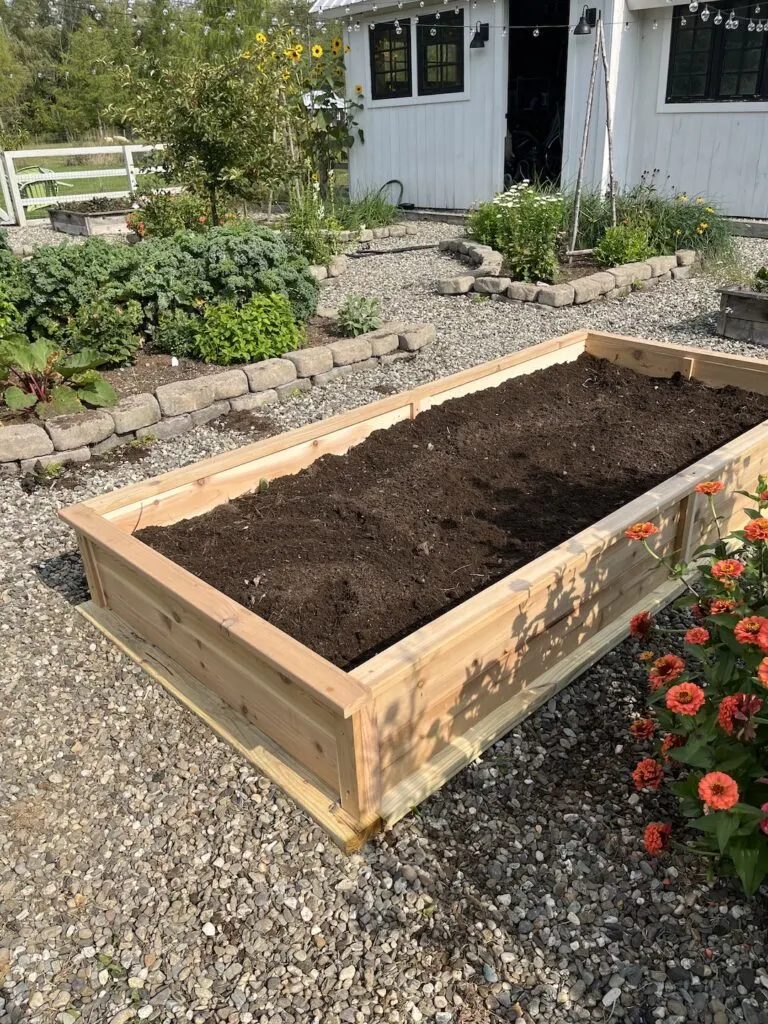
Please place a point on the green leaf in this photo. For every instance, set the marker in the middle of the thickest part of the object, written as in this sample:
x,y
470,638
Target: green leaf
x,y
98,393
750,859
694,753
725,826
18,400
63,401
38,354
85,359
686,601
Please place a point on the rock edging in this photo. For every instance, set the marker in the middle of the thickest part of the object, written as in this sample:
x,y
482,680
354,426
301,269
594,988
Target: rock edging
x,y
485,277
338,264
177,407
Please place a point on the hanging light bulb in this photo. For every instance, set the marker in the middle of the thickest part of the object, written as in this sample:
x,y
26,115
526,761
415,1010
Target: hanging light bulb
x,y
759,27
655,25
734,20
693,6
757,8
357,26
437,16
398,31
705,14
536,32
751,26
416,20
718,19
433,31
371,26
503,31
683,22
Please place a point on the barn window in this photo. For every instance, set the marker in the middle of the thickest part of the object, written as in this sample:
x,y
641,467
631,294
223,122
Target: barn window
x,y
709,63
440,53
391,60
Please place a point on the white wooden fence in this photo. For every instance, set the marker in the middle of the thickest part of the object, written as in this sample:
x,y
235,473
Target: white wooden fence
x,y
14,203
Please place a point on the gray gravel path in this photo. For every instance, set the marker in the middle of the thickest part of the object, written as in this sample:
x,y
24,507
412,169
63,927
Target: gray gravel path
x,y
148,873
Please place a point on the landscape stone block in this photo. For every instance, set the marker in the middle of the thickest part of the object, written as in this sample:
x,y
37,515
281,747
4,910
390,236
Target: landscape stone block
x,y
269,373
337,266
366,235
135,411
24,441
685,257
383,342
309,361
78,429
319,273
110,443
184,396
411,229
492,285
619,293
288,391
57,459
256,401
201,416
165,429
416,336
555,295
448,245
661,264
366,364
629,272
645,286
9,469
397,231
488,268
522,291
229,384
321,379
587,289
350,350
681,272
380,232
455,285
605,280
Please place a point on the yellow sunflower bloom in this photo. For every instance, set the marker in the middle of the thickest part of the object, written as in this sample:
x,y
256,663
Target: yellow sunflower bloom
x,y
317,51
358,90
347,49
286,75
299,49
260,37
683,198
708,209
246,55
292,55
699,199
336,45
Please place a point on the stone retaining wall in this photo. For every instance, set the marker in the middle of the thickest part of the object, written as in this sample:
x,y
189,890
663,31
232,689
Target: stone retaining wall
x,y
175,408
484,277
338,264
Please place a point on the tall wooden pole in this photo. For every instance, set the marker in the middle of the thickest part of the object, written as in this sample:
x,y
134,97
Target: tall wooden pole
x,y
585,137
608,124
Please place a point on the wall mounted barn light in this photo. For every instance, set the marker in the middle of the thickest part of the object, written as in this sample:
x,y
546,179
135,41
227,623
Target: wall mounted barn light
x,y
481,36
586,22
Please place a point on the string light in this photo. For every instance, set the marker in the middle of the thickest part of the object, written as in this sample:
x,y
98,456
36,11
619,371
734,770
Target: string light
x,y
683,21
705,14
693,6
718,19
655,25
536,32
750,26
759,27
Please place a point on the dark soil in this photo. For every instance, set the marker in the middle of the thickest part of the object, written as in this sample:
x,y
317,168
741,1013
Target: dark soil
x,y
321,331
98,205
150,371
581,266
357,551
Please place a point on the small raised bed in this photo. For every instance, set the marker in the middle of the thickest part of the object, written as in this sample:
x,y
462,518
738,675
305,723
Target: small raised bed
x,y
76,222
358,749
743,315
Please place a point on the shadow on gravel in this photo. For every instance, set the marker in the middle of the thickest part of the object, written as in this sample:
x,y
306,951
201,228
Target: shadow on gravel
x,y
65,574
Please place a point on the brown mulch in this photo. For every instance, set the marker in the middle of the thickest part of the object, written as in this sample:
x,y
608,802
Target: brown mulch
x,y
357,551
150,371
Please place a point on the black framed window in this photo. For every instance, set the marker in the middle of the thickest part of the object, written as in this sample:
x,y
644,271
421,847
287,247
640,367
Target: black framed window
x,y
440,53
711,64
391,60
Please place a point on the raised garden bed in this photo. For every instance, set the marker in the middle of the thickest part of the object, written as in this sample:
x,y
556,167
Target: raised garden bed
x,y
79,222
359,746
743,315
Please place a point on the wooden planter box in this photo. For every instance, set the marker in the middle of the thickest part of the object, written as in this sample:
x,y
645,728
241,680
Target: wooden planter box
x,y
743,315
359,749
74,222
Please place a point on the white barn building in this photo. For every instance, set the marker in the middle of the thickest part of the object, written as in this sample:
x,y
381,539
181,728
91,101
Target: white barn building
x,y
449,118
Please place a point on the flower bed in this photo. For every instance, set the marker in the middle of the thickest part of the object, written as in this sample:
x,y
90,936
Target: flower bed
x,y
358,748
485,277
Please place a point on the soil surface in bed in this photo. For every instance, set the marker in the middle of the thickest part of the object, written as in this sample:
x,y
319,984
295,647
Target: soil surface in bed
x,y
359,550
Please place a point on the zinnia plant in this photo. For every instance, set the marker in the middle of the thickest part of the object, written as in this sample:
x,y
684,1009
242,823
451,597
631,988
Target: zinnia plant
x,y
708,718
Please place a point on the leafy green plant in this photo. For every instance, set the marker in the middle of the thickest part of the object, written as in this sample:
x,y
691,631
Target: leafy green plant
x,y
109,326
358,315
175,333
709,704
760,282
365,210
261,328
622,244
310,231
162,213
39,378
521,223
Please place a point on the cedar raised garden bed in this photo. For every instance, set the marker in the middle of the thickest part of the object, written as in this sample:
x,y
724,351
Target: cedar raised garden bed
x,y
78,222
359,748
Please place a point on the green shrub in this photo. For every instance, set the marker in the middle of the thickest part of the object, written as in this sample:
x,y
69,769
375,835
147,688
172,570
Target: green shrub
x,y
263,327
523,224
358,315
310,231
367,209
111,327
760,282
622,245
162,214
175,333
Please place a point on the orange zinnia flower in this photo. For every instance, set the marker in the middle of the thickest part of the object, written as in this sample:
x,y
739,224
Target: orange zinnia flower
x,y
727,568
710,487
747,631
762,672
665,669
756,530
648,774
670,742
721,605
719,791
656,837
698,635
735,715
640,625
685,698
640,531
642,728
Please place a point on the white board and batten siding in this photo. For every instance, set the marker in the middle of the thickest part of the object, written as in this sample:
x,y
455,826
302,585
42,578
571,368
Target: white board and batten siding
x,y
448,150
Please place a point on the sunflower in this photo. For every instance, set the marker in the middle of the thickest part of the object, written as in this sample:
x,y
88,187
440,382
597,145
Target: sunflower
x,y
260,37
358,90
246,55
291,54
299,49
317,51
336,45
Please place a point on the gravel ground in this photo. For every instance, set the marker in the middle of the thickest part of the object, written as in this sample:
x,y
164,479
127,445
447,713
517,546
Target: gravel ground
x,y
148,873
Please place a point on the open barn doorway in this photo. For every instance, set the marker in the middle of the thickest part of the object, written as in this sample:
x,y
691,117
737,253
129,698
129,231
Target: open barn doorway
x,y
538,55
